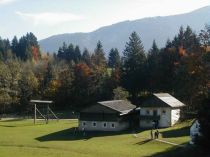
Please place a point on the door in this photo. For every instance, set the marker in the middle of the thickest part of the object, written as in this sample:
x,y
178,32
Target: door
x,y
154,112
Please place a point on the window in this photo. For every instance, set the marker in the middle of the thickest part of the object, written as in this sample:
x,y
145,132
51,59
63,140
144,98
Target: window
x,y
164,111
94,124
112,125
147,112
154,112
83,124
105,125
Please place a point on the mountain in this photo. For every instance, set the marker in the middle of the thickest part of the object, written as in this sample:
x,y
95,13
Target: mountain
x,y
116,35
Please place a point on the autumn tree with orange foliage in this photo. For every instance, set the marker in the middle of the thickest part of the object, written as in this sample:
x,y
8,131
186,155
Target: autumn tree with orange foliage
x,y
35,53
83,85
26,48
191,74
74,81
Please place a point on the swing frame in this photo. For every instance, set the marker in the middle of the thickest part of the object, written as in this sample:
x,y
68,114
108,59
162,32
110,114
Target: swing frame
x,y
46,103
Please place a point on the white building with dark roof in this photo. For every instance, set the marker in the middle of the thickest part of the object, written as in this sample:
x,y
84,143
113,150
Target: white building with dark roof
x,y
161,109
112,115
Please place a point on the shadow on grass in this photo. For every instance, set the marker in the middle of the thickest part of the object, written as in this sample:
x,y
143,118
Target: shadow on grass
x,y
12,120
188,151
144,142
20,125
180,132
5,123
71,135
7,126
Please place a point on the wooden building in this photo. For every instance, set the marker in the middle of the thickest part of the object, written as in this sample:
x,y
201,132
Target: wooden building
x,y
160,109
113,115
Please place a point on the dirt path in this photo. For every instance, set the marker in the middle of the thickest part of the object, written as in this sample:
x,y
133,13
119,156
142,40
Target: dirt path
x,y
171,143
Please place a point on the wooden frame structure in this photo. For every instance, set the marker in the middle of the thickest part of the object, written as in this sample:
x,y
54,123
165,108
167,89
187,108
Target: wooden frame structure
x,y
43,102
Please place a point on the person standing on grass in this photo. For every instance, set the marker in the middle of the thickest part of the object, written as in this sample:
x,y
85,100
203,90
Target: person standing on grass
x,y
83,129
151,134
157,133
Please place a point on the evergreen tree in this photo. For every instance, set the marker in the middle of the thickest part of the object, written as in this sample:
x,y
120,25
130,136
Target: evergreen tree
x,y
5,49
86,57
179,40
32,49
62,51
15,46
187,40
28,48
133,65
99,72
153,70
191,41
98,58
114,58
77,54
70,53
168,44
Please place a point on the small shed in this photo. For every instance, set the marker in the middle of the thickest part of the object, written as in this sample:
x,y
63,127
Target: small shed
x,y
161,109
114,115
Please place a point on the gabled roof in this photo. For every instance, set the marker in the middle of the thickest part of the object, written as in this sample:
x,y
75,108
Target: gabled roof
x,y
162,100
121,106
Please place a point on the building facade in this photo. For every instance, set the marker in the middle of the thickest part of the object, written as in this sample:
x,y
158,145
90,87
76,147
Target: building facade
x,y
113,115
160,110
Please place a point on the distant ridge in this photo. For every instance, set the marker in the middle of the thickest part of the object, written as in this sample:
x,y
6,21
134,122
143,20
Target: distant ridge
x,y
116,35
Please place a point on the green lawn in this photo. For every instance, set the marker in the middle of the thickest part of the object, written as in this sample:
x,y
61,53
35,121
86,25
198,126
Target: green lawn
x,y
20,138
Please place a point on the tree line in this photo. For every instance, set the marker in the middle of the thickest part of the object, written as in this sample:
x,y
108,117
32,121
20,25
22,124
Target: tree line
x,y
75,79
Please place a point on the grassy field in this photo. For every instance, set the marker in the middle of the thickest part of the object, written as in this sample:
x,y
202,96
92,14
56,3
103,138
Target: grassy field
x,y
20,138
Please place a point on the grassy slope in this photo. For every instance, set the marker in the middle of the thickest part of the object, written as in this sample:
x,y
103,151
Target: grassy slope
x,y
21,138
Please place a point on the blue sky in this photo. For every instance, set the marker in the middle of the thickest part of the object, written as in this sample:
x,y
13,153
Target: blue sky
x,y
49,17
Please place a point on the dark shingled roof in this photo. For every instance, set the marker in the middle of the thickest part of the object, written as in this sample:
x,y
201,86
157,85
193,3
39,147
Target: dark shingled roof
x,y
121,106
162,100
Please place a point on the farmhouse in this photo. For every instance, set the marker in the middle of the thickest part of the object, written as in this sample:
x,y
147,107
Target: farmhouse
x,y
113,115
161,109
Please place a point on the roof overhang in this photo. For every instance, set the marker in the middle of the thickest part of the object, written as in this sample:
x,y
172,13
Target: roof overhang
x,y
125,112
41,101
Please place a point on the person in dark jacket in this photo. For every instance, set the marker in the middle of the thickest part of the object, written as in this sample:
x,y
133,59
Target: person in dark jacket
x,y
151,134
156,134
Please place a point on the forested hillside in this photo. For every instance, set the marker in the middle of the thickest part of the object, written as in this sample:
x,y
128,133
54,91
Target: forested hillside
x,y
75,78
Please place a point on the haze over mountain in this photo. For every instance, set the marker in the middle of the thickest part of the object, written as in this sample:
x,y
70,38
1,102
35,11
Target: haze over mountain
x,y
116,35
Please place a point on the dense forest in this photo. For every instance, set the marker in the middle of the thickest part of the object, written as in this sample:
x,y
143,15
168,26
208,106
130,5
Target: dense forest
x,y
75,78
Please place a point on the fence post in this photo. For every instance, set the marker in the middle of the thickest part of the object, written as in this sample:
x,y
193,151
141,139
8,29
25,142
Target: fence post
x,y
34,114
